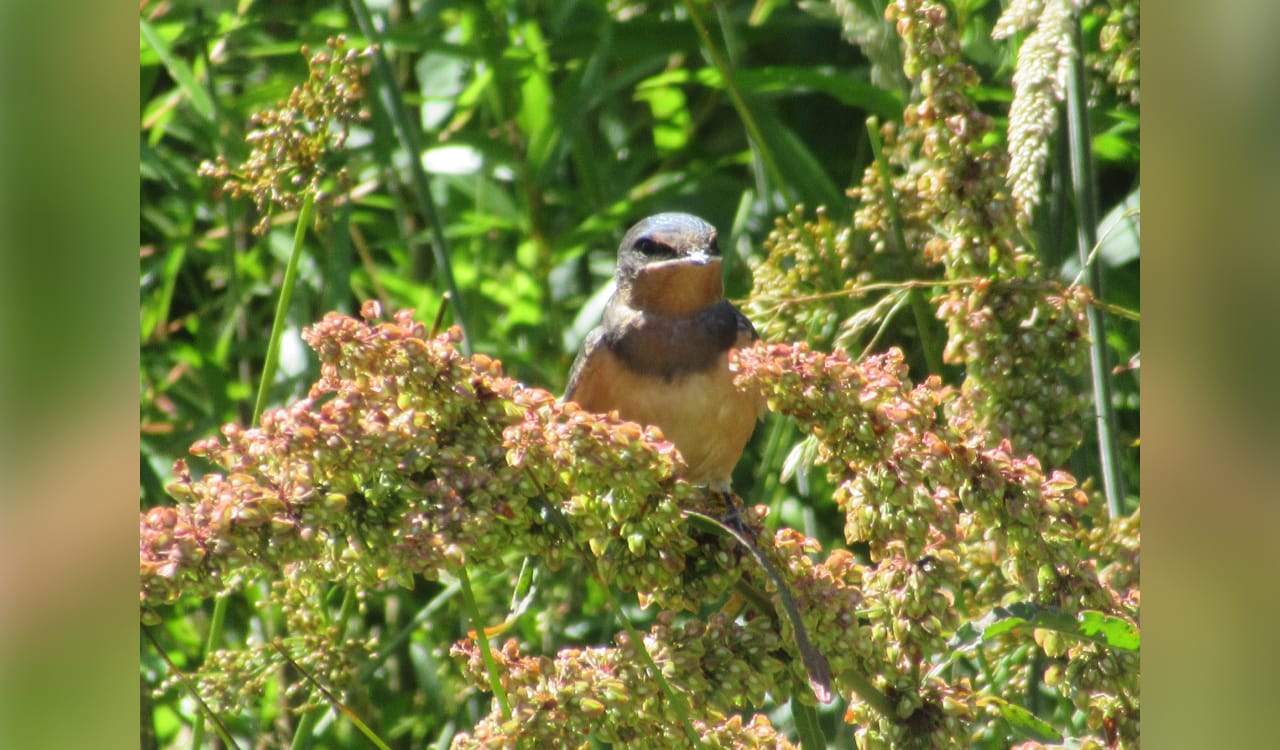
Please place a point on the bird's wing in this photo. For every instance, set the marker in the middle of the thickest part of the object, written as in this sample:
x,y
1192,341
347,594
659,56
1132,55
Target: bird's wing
x,y
591,347
746,331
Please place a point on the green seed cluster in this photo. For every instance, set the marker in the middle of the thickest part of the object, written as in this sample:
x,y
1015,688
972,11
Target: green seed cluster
x,y
392,467
1019,336
294,145
915,477
1021,349
803,289
1119,543
233,681
937,716
1103,685
607,695
1119,57
955,526
830,598
879,438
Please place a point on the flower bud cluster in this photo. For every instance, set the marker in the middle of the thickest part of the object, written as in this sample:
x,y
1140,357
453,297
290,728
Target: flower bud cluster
x,y
942,514
797,288
606,694
633,530
293,143
392,467
1020,338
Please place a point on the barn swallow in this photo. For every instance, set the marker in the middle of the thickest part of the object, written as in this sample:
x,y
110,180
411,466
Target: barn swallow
x,y
661,354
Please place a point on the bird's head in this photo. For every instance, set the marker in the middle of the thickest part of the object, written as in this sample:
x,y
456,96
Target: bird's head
x,y
670,264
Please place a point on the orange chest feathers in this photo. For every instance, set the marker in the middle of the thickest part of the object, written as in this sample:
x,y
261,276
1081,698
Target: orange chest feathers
x,y
701,412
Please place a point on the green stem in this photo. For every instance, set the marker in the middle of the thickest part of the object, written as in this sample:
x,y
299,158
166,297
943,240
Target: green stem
x,y
678,702
1086,238
919,306
814,662
482,640
302,735
807,726
739,103
282,306
869,693
389,94
216,622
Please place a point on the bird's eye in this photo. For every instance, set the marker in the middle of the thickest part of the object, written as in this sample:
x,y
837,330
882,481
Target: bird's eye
x,y
650,247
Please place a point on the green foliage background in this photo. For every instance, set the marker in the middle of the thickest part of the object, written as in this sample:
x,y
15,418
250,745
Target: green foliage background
x,y
546,129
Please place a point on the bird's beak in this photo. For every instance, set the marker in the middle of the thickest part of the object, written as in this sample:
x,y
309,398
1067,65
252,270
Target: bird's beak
x,y
699,257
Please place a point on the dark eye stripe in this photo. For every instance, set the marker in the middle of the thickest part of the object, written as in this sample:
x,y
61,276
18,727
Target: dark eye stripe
x,y
651,247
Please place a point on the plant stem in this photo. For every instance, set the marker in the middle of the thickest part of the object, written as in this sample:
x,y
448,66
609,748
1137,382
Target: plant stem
x,y
807,726
282,306
482,640
216,621
389,93
863,688
740,103
1086,238
675,697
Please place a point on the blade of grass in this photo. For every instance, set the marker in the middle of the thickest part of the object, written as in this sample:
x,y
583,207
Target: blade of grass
x,y
389,94
762,147
482,640
1086,238
272,359
179,70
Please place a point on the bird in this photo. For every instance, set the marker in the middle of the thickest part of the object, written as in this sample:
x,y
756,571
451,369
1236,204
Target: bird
x,y
660,356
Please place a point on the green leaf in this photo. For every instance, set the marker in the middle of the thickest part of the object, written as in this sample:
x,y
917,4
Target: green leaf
x,y
1023,721
803,171
178,70
848,86
440,79
1098,627
1119,232
1109,630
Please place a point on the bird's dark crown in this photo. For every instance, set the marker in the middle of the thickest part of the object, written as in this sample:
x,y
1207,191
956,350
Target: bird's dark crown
x,y
666,237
